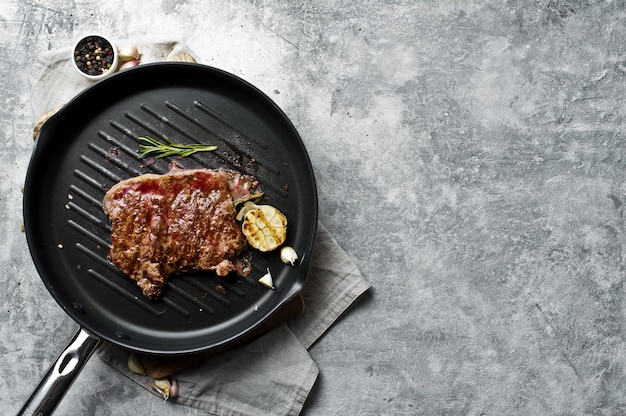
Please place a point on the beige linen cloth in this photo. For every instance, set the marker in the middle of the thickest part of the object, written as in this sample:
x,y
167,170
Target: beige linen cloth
x,y
274,373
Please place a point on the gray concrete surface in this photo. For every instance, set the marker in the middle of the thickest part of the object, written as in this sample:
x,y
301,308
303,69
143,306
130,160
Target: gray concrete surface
x,y
470,159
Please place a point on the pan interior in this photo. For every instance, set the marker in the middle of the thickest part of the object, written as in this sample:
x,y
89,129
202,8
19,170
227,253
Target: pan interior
x,y
91,144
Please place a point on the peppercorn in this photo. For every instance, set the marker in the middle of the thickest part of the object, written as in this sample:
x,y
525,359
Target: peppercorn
x,y
94,55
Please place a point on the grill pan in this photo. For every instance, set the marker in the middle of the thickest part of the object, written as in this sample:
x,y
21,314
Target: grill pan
x,y
91,144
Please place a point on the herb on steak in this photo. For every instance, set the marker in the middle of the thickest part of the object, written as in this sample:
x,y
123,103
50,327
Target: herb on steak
x,y
169,148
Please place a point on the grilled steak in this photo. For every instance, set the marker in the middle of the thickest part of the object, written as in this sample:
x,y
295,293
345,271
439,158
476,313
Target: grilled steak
x,y
176,222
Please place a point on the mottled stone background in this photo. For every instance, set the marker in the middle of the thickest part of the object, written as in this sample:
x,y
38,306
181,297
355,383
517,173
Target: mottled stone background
x,y
470,159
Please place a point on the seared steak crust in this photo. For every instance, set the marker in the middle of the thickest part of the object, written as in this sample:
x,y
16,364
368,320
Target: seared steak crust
x,y
164,224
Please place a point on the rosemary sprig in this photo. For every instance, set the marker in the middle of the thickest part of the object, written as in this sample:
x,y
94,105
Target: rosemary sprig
x,y
169,148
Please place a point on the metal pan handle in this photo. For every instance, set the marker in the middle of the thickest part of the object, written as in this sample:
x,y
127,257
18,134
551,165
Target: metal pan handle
x,y
61,375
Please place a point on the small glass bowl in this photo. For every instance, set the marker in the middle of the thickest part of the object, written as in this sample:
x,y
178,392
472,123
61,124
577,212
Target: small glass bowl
x,y
95,57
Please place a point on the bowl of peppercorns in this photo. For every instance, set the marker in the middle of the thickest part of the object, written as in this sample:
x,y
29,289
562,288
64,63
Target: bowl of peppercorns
x,y
95,57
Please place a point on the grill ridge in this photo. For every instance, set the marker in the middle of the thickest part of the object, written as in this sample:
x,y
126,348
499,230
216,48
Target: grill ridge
x,y
90,181
195,121
100,169
174,306
91,254
209,291
124,293
75,190
88,216
166,121
185,294
114,142
207,110
109,155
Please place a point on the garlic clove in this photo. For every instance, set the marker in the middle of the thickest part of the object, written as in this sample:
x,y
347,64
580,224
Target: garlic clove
x,y
182,57
128,53
173,388
134,364
162,386
266,280
288,255
129,64
247,207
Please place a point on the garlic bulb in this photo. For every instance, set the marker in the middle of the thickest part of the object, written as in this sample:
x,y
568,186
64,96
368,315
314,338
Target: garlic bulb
x,y
264,226
288,255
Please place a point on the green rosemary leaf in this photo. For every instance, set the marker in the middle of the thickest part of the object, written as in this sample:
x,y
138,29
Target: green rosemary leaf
x,y
152,146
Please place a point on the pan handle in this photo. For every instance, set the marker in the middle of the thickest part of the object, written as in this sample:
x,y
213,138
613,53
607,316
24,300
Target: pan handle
x,y
61,375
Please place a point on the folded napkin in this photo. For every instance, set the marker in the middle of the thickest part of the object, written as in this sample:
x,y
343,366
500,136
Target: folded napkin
x,y
270,374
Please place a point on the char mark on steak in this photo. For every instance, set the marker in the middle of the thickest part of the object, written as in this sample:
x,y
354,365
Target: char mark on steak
x,y
181,221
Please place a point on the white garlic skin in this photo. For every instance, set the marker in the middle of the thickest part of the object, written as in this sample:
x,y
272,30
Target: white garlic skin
x,y
288,255
129,64
129,53
266,280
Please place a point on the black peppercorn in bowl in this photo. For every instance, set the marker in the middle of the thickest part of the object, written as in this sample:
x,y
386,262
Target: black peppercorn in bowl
x,y
95,57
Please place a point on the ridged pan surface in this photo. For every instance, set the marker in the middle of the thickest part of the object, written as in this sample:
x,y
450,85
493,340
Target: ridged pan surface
x,y
91,144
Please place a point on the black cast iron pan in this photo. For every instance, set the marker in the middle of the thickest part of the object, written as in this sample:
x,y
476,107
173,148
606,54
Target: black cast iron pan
x,y
91,144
